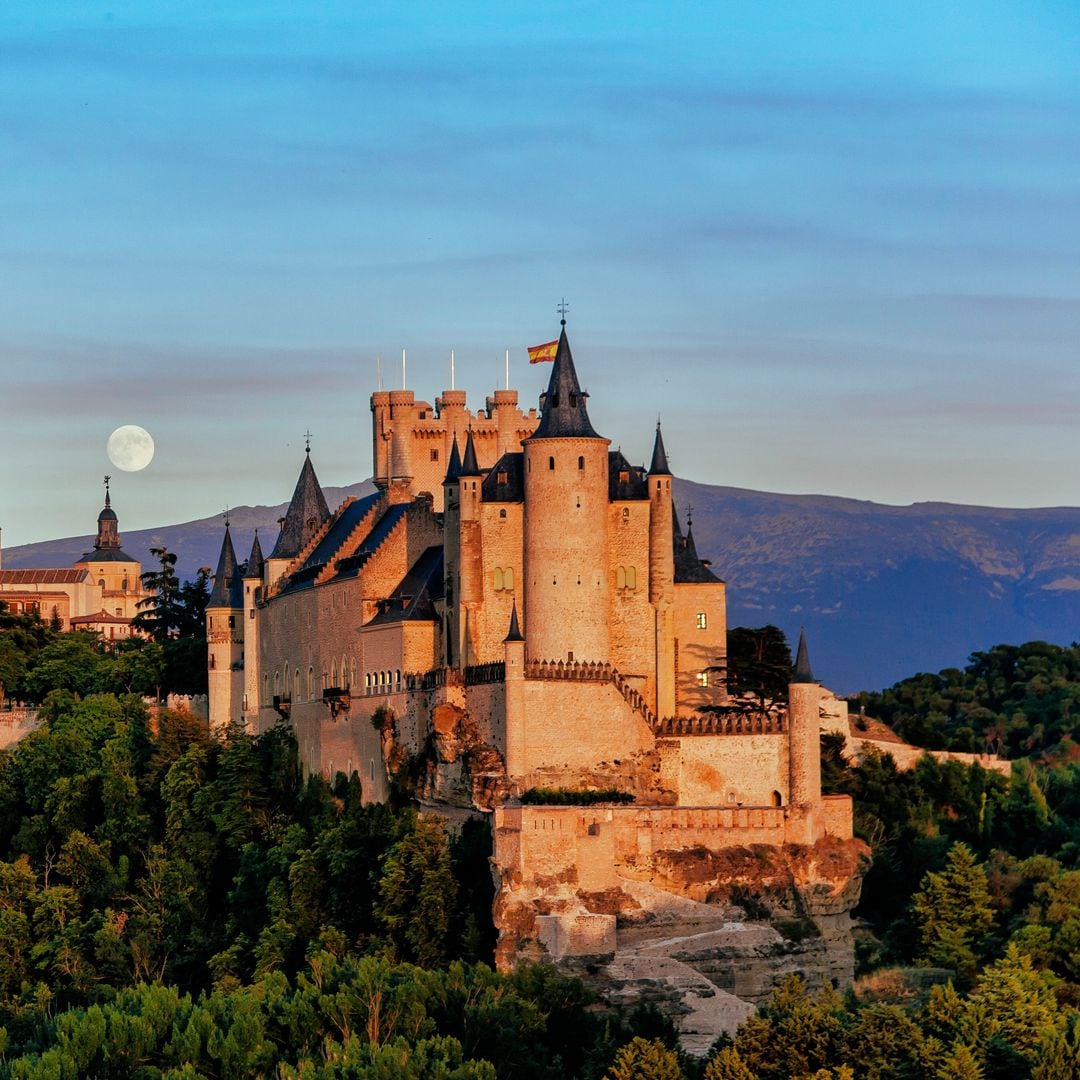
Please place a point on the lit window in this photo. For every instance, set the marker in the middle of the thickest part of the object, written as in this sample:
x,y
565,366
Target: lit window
x,y
502,477
703,678
624,476
626,513
702,620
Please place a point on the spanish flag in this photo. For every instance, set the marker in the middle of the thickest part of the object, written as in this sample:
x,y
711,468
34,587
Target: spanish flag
x,y
539,353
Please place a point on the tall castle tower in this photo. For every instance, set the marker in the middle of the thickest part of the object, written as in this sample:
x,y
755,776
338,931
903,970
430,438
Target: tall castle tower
x,y
566,524
225,639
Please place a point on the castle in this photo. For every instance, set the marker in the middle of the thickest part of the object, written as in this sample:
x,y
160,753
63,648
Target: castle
x,y
517,608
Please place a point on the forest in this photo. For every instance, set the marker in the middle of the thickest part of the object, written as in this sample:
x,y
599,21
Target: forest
x,y
174,904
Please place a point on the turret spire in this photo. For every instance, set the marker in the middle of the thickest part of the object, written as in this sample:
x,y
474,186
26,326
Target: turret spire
x,y
563,406
228,591
514,633
256,562
469,466
306,514
803,674
659,466
453,467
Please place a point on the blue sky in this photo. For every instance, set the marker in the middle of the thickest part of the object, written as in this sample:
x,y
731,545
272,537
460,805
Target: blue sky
x,y
833,244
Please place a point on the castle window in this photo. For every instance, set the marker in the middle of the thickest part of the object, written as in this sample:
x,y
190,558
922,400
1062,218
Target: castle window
x,y
502,477
626,513
777,799
624,476
434,455
101,581
333,672
345,672
551,465
631,577
311,683
213,661
508,578
703,678
372,768
502,514
124,585
232,620
251,614
498,578
702,620
620,577
581,464
296,684
120,611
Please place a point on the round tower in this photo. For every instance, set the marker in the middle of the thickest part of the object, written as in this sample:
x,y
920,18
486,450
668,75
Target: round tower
x,y
402,408
470,552
662,575
225,640
506,417
380,436
566,525
804,739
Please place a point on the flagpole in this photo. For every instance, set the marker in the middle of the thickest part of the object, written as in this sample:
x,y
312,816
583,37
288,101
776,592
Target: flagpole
x,y
378,368
507,369
403,386
451,369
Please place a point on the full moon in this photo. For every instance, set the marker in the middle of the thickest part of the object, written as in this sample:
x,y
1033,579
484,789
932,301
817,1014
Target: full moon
x,y
130,448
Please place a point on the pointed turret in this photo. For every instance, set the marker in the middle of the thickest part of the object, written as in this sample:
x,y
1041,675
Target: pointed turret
x,y
564,412
659,465
469,466
256,563
228,591
803,674
306,514
453,468
688,566
514,633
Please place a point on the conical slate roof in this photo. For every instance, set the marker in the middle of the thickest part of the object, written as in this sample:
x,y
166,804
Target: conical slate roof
x,y
228,590
688,567
306,514
659,466
469,466
255,561
453,468
514,633
803,674
564,413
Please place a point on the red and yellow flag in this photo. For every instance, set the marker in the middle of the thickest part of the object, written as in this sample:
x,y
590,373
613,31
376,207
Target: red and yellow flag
x,y
540,353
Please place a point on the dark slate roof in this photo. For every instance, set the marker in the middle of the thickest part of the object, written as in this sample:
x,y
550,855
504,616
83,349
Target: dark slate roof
x,y
107,513
256,563
512,489
659,465
469,465
453,467
305,516
228,590
105,554
689,569
413,599
347,520
635,486
514,633
563,412
803,674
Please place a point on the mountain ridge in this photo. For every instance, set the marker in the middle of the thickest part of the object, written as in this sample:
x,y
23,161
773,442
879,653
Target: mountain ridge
x,y
883,590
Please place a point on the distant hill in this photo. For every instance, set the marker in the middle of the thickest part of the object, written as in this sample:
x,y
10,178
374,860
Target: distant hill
x,y
884,591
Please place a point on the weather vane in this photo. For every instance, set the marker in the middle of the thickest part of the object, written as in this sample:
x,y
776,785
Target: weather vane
x,y
307,442
689,515
562,308
226,517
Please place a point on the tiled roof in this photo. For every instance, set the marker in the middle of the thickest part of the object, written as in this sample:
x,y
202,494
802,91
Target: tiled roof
x,y
49,576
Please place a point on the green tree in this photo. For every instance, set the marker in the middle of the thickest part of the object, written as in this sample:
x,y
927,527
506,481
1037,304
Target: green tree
x,y
759,664
954,912
645,1059
160,614
75,661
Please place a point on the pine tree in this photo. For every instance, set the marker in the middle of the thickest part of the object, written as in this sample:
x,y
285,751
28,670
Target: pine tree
x,y
645,1059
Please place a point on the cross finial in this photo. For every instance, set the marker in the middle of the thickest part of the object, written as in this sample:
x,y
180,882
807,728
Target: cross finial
x,y
689,515
562,308
307,442
226,516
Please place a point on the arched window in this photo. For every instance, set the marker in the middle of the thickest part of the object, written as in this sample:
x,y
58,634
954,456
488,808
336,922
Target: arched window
x,y
498,578
367,680
508,578
345,672
626,513
311,684
620,577
551,465
777,799
333,672
581,464
296,684
502,513
397,677
285,684
631,577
